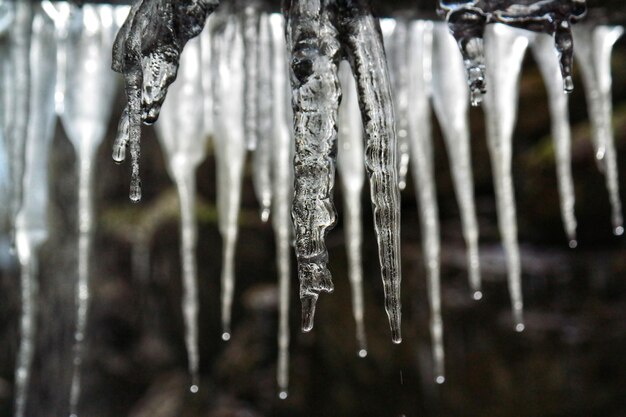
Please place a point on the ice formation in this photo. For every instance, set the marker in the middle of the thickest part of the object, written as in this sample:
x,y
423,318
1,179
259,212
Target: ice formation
x,y
326,49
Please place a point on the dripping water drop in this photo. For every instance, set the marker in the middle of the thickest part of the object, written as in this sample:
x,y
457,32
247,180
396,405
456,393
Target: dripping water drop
x,y
282,395
519,327
225,336
573,243
440,379
193,389
265,214
362,353
478,295
619,230
568,84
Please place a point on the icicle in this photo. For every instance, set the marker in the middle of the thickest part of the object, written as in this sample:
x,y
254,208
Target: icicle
x,y
146,51
593,50
450,102
352,176
467,22
228,55
363,44
182,136
87,101
282,143
395,39
19,94
504,52
207,82
31,226
420,138
262,163
548,64
314,57
250,24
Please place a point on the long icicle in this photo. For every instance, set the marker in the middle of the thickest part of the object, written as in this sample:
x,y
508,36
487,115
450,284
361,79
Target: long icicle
x,y
548,64
352,176
282,143
420,139
504,52
262,157
249,16
593,50
31,228
314,49
362,40
228,55
86,109
450,96
181,132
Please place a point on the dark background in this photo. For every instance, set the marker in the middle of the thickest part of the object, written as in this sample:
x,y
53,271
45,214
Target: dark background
x,y
570,361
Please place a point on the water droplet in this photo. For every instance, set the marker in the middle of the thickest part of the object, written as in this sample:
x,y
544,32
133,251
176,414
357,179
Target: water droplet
x,y
478,295
520,327
619,230
282,395
440,379
225,336
573,243
362,353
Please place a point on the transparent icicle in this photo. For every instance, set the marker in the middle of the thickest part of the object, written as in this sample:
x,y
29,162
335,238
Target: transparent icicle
x,y
147,51
548,64
504,52
314,49
31,227
87,100
363,44
352,176
7,16
282,160
594,45
450,101
467,21
19,88
181,134
420,139
395,39
250,25
207,81
230,148
262,157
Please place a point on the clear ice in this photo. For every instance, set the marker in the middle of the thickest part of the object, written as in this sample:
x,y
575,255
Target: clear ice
x,y
467,20
88,90
352,177
227,57
181,132
593,52
504,52
147,52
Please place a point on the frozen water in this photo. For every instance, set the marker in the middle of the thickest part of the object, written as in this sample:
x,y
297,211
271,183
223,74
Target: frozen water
x,y
181,132
352,177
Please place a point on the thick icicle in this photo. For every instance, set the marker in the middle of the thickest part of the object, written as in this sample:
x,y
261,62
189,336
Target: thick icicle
x,y
315,49
147,51
395,39
250,25
593,50
87,101
548,64
450,102
262,158
352,176
504,53
207,82
31,225
282,143
361,37
182,136
19,95
421,146
230,147
467,21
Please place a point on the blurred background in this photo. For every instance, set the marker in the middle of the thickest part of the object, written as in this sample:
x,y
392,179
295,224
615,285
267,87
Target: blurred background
x,y
569,362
